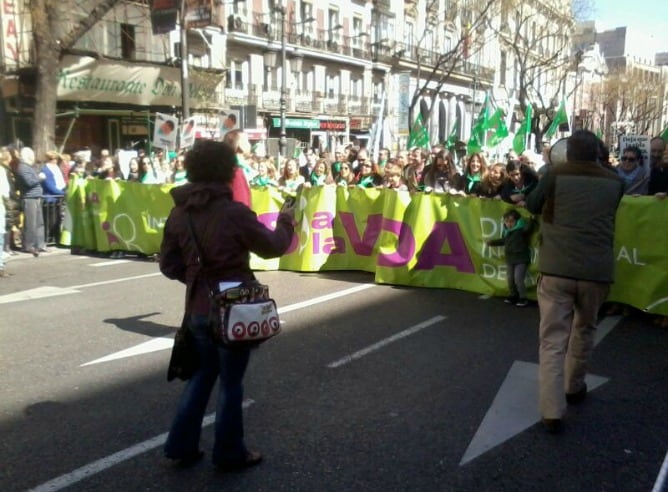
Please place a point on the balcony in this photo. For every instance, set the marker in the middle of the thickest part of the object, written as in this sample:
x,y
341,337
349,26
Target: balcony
x,y
303,101
237,23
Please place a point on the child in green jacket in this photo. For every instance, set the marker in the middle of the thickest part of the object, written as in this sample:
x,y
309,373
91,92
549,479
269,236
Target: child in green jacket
x,y
515,240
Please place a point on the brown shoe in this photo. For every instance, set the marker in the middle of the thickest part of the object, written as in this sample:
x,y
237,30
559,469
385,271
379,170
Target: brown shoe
x,y
4,274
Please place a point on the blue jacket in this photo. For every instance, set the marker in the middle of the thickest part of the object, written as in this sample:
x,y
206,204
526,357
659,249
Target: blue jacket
x,y
49,185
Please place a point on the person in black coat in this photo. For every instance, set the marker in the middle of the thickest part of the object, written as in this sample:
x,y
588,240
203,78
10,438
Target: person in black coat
x,y
521,181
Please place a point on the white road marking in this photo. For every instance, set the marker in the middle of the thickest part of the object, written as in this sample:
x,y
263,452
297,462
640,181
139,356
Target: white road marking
x,y
605,327
109,263
162,343
100,465
514,409
48,291
116,280
515,406
386,341
37,293
325,298
153,345
661,478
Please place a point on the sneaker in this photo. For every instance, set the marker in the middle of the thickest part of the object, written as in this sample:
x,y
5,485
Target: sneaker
x,y
522,303
510,300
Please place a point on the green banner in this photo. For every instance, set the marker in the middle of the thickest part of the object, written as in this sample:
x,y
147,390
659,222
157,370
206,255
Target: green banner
x,y
425,240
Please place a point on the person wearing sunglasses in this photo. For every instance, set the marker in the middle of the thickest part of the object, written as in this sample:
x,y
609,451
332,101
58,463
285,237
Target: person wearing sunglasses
x,y
632,172
346,175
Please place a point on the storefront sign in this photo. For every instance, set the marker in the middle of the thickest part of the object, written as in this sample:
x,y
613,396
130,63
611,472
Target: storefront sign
x,y
300,123
360,123
87,79
15,34
333,125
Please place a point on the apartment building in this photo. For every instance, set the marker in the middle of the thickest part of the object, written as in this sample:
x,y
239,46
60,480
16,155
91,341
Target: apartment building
x,y
346,63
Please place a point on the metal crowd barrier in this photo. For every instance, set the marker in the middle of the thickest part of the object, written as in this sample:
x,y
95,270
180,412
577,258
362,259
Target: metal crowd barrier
x,y
53,210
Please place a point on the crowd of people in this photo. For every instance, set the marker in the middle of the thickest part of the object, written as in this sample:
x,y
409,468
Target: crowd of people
x,y
34,186
570,291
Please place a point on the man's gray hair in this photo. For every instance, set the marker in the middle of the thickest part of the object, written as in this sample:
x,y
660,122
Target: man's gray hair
x,y
28,155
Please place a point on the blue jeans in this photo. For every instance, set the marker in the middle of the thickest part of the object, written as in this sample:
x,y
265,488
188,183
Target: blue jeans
x,y
215,361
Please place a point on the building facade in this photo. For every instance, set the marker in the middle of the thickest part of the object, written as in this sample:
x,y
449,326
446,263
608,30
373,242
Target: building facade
x,y
328,72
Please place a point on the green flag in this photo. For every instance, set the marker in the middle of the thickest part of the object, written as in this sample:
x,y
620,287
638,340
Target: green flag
x,y
559,119
454,135
664,135
520,140
497,123
419,136
479,129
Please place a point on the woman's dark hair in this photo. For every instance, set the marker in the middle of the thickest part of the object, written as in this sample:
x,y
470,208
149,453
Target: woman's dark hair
x,y
210,161
583,145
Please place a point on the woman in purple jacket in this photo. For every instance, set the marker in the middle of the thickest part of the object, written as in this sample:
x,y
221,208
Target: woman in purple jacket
x,y
227,231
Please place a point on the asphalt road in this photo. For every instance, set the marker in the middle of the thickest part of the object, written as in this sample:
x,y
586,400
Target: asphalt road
x,y
369,388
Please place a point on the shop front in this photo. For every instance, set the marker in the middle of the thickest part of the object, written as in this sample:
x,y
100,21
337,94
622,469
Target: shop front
x,y
106,104
331,133
359,130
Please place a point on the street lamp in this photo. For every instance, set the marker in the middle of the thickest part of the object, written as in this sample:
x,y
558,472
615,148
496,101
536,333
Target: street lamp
x,y
280,7
185,93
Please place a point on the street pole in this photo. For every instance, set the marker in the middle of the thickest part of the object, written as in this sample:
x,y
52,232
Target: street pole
x,y
283,141
185,102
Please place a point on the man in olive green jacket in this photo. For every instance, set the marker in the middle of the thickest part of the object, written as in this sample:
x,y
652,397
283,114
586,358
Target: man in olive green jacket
x,y
578,201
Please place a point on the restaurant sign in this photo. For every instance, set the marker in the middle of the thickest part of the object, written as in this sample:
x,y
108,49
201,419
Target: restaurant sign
x,y
88,79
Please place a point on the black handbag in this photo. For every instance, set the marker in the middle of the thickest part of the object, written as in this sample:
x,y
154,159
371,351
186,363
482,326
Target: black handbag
x,y
184,362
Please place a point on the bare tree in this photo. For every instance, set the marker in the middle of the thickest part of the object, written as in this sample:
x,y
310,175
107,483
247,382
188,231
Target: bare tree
x,y
583,10
49,48
538,36
467,37
632,102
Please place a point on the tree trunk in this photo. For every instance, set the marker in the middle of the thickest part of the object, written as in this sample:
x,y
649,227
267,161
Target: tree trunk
x,y
47,56
49,49
46,99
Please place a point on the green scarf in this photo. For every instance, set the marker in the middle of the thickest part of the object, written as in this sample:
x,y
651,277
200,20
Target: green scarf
x,y
261,181
471,180
519,224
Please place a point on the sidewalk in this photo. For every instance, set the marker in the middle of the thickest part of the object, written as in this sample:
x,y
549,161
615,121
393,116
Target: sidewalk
x,y
20,255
